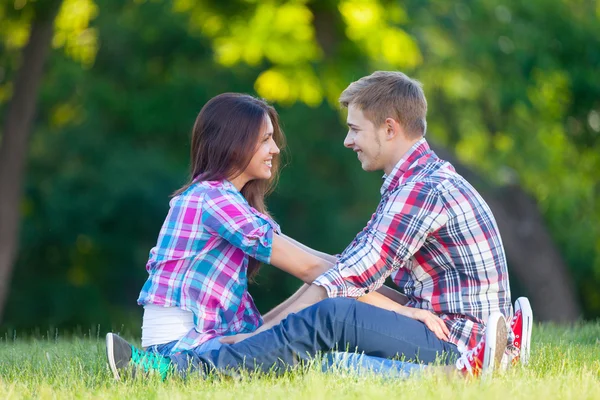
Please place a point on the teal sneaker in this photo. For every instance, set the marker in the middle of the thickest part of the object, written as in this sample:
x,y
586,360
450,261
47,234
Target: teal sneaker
x,y
123,357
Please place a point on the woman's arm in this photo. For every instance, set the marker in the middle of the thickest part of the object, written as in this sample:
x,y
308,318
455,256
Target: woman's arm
x,y
325,256
295,261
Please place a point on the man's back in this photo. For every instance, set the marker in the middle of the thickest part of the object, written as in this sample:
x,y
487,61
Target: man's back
x,y
437,237
460,270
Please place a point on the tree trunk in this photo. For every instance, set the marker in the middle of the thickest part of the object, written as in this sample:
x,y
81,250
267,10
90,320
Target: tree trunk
x,y
15,139
532,255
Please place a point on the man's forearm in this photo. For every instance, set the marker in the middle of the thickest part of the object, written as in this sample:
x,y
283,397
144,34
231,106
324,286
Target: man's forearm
x,y
325,256
313,294
285,304
379,300
393,295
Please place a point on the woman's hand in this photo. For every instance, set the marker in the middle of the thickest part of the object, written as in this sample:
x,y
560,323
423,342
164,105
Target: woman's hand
x,y
432,321
235,338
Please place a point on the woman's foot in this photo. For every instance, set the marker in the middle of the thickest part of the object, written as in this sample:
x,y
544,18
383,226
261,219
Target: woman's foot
x,y
124,358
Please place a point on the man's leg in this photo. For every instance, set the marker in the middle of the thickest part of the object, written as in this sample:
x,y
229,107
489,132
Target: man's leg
x,y
362,363
332,324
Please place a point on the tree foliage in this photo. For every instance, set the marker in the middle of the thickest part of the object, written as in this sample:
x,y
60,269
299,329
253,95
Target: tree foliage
x,y
513,91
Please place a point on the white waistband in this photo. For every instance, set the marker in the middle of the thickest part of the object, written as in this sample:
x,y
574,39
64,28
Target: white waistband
x,y
165,324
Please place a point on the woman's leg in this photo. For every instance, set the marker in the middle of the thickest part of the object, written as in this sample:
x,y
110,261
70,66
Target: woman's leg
x,y
333,324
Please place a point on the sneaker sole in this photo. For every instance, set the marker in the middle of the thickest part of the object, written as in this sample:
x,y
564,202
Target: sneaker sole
x,y
494,351
110,355
523,304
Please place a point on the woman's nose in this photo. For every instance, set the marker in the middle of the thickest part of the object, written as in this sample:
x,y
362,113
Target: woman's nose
x,y
275,149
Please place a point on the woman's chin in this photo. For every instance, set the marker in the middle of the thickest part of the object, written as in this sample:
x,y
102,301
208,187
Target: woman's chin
x,y
263,177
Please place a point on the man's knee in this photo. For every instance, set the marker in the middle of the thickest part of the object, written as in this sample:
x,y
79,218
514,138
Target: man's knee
x,y
335,306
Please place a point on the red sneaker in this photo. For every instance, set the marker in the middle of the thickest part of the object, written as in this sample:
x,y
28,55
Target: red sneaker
x,y
521,325
488,353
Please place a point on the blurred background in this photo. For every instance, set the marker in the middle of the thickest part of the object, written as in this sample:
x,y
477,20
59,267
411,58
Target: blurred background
x,y
98,99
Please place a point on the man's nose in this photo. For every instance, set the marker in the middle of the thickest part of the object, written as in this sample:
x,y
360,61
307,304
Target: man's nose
x,y
349,141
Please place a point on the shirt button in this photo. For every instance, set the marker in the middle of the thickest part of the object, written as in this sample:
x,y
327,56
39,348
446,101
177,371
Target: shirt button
x,y
367,291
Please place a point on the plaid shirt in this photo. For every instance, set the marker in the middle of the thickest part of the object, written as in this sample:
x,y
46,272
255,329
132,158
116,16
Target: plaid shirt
x,y
438,239
200,261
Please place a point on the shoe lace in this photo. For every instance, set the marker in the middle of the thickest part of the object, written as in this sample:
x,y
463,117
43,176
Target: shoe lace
x,y
467,357
514,319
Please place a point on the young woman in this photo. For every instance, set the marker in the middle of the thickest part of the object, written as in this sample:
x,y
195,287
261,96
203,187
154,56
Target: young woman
x,y
218,232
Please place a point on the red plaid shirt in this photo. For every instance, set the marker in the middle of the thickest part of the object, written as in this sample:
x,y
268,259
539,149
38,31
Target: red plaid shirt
x,y
438,239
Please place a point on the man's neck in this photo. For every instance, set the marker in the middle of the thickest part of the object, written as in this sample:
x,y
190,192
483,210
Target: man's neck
x,y
399,153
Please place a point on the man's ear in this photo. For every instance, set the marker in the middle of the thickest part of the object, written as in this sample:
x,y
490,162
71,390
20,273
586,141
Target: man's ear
x,y
392,128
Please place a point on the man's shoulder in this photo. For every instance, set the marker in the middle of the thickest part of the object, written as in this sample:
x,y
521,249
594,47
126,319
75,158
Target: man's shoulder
x,y
430,172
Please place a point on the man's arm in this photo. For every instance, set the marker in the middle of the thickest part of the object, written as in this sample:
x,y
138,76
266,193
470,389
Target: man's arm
x,y
393,295
285,304
289,256
432,321
313,294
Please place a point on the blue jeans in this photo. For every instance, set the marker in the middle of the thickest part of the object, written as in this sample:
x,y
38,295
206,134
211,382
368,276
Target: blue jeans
x,y
336,360
338,324
165,348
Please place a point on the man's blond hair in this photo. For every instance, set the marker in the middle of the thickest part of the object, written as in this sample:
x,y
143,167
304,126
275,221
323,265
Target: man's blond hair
x,y
389,94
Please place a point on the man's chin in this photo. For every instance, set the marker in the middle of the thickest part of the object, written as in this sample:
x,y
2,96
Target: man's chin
x,y
368,167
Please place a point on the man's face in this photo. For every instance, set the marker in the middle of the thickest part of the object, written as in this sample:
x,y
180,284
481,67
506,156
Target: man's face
x,y
365,139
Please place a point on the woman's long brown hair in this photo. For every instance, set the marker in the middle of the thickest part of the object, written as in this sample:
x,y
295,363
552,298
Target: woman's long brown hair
x,y
224,139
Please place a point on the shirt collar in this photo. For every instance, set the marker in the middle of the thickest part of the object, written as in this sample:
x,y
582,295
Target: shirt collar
x,y
390,182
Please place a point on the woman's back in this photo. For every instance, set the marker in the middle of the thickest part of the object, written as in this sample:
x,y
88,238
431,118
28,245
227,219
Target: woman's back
x,y
200,261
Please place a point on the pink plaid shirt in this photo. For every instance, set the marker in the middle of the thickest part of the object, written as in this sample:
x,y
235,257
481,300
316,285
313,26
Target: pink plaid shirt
x,y
200,261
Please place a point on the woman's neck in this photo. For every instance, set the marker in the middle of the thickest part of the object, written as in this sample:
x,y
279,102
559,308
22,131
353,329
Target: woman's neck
x,y
239,181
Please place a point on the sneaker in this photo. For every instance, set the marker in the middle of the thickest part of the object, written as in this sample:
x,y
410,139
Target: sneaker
x,y
521,325
487,355
123,357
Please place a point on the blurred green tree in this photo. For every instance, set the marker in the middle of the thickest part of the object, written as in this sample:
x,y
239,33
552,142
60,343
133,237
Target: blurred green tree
x,y
507,99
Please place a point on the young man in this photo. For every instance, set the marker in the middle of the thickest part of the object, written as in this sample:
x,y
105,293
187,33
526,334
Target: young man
x,y
432,232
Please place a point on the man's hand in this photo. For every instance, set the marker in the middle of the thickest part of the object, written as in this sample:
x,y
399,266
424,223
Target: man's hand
x,y
432,321
232,339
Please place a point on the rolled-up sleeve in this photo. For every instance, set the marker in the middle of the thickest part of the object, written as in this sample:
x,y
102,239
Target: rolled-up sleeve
x,y
393,235
227,215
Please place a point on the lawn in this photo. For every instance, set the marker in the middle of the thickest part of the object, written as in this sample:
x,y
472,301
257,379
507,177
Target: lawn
x,y
565,364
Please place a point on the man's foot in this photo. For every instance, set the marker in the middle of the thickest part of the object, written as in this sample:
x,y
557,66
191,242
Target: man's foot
x,y
488,353
521,325
123,357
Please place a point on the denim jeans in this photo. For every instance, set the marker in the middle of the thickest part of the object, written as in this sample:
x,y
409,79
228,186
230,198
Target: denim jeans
x,y
165,348
338,324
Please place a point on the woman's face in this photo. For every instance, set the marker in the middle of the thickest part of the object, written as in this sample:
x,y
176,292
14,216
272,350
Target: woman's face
x,y
260,165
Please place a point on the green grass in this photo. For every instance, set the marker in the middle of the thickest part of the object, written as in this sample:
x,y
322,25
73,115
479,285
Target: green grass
x,y
565,364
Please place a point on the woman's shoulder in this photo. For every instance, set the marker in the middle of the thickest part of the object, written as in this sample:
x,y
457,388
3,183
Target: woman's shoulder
x,y
211,190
